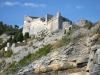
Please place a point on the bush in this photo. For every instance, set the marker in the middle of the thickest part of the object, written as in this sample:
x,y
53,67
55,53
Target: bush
x,y
26,35
8,53
89,25
1,40
64,41
3,45
19,37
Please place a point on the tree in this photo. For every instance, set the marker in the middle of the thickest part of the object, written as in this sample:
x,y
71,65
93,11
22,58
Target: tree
x,y
16,26
19,37
1,24
26,35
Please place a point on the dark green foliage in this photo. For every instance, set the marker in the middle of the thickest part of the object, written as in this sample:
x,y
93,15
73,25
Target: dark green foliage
x,y
1,41
14,39
89,25
16,26
3,45
9,29
26,35
19,37
10,39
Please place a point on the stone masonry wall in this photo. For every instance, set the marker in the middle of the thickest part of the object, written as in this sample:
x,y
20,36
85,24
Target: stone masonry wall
x,y
52,24
35,25
27,23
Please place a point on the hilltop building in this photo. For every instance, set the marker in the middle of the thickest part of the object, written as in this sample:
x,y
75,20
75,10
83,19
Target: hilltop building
x,y
35,25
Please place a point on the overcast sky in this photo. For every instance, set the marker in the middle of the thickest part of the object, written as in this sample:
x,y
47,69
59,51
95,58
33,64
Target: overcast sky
x,y
12,11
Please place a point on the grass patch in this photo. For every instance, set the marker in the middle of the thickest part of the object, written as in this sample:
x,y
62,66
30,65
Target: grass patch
x,y
35,56
21,44
31,57
11,68
6,54
65,40
30,39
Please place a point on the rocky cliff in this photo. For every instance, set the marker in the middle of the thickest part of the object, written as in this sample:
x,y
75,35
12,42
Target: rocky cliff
x,y
79,57
74,53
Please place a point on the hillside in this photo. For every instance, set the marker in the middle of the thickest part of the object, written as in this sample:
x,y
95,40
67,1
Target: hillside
x,y
8,34
75,52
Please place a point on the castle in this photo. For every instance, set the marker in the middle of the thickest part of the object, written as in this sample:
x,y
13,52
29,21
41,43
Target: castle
x,y
35,25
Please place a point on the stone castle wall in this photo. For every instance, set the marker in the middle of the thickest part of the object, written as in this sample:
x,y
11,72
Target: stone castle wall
x,y
35,25
27,23
52,24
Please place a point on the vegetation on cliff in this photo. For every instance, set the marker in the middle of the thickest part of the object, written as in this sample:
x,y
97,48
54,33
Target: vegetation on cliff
x,y
30,58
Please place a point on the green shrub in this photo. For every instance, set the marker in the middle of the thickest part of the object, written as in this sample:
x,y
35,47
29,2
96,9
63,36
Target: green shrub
x,y
8,53
26,35
89,25
31,57
1,40
19,37
38,54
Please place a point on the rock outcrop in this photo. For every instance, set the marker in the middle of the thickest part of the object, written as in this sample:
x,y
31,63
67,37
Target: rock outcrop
x,y
76,58
94,60
82,22
71,57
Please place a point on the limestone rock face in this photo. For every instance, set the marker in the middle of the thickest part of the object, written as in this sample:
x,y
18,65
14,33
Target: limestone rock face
x,y
81,22
94,60
67,57
79,32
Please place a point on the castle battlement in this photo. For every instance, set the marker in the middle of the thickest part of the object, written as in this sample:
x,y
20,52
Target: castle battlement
x,y
34,25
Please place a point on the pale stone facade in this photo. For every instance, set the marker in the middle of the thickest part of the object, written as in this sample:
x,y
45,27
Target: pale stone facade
x,y
35,25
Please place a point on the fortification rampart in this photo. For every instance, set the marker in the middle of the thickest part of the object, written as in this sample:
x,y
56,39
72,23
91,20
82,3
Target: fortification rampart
x,y
35,25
